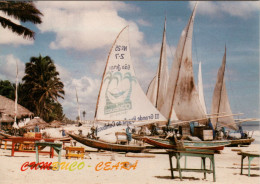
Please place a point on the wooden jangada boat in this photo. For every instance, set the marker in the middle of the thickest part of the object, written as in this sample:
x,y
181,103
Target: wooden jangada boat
x,y
168,144
107,146
121,100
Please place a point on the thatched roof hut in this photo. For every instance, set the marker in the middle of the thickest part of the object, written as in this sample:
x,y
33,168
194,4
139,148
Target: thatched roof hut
x,y
7,107
55,124
32,123
5,118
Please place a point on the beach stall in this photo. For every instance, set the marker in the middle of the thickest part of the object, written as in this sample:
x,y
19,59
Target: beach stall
x,y
7,109
5,120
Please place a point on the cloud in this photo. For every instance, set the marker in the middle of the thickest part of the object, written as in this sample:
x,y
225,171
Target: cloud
x,y
87,89
85,26
89,26
143,22
8,37
241,9
8,68
64,74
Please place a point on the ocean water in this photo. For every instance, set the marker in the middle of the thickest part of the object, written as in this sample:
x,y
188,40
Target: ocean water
x,y
253,128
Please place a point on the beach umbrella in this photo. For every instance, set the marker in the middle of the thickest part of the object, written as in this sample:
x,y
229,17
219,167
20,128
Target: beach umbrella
x,y
32,123
55,124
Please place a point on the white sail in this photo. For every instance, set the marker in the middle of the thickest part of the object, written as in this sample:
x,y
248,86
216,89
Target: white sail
x,y
200,89
220,102
182,95
152,90
121,97
158,87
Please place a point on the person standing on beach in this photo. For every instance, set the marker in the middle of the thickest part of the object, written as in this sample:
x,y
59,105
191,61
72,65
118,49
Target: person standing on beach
x,y
36,129
128,134
63,132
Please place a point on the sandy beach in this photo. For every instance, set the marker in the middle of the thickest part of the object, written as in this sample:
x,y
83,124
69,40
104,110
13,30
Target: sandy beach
x,y
143,170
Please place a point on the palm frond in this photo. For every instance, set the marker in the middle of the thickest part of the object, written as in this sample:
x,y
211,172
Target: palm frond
x,y
18,29
23,11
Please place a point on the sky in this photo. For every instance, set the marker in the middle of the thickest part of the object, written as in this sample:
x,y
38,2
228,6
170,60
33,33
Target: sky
x,y
78,35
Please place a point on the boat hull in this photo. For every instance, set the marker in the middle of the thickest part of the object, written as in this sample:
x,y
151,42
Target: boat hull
x,y
107,146
167,144
241,142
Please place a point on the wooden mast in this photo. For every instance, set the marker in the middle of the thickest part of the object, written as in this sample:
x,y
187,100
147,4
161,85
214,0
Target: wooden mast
x,y
160,65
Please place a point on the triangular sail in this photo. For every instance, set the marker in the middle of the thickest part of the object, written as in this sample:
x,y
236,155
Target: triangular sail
x,y
121,97
182,95
158,87
200,89
220,102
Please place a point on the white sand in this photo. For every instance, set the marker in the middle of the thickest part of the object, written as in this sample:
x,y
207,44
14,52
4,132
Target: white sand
x,y
148,170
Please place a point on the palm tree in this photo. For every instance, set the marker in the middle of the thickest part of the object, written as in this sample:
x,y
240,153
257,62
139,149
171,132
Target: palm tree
x,y
42,85
22,11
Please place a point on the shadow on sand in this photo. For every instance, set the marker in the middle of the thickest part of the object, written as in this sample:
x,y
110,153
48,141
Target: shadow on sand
x,y
176,177
15,156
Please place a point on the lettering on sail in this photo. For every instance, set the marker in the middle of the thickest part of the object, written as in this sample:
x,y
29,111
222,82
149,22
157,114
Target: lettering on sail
x,y
119,82
128,122
119,67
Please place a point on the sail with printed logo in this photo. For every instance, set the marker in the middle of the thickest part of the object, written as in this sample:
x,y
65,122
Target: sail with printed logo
x,y
158,87
121,100
200,89
182,96
220,102
121,97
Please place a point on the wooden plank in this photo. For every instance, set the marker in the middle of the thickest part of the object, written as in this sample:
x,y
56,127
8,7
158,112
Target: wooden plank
x,y
139,155
74,155
75,149
193,170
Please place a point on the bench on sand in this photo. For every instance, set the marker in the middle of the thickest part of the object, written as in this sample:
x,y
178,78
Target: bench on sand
x,y
77,152
201,153
250,156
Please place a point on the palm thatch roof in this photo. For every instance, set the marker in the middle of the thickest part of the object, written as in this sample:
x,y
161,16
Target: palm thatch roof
x,y
32,123
55,124
5,118
7,107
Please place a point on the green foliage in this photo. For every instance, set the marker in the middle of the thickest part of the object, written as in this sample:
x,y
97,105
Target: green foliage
x,y
7,89
43,87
